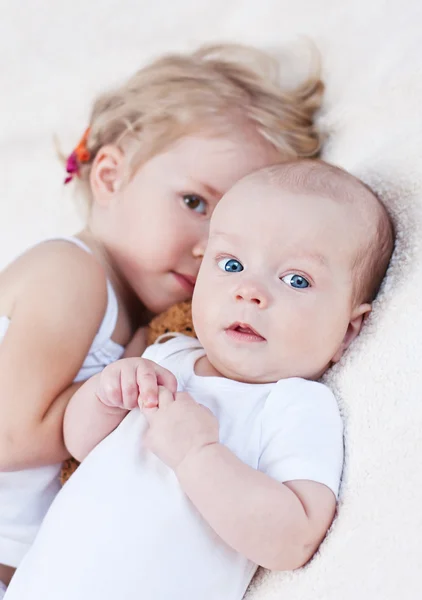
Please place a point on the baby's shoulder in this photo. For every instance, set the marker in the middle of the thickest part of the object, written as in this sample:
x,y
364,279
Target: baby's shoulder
x,y
296,396
302,388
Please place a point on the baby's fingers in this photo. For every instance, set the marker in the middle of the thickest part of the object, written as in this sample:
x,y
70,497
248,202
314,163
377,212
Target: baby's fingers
x,y
149,376
166,379
109,390
165,398
146,378
129,386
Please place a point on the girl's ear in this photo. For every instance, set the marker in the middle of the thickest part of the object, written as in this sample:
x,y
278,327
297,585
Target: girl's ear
x,y
355,325
107,173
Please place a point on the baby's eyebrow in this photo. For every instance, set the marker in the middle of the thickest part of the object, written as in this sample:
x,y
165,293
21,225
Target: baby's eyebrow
x,y
314,257
218,234
232,237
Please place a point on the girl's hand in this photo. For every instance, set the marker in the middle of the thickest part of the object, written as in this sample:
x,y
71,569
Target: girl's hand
x,y
178,427
130,382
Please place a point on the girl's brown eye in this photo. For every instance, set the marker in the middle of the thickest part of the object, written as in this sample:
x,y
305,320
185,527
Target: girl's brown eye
x,y
195,203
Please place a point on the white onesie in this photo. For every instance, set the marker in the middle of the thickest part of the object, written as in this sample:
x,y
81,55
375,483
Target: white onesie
x,y
25,496
123,525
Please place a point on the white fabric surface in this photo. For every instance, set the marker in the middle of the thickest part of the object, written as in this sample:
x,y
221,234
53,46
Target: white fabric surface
x,y
2,590
55,55
123,496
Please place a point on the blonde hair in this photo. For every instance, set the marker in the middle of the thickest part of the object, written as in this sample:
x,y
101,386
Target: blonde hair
x,y
179,94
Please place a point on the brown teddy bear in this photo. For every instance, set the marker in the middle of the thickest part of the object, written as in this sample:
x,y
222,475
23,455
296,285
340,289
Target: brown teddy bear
x,y
177,318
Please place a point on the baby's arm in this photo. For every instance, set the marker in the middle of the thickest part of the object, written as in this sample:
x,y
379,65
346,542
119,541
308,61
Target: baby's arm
x,y
100,405
56,313
278,526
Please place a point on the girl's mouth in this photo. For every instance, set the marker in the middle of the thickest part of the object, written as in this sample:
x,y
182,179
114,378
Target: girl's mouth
x,y
186,281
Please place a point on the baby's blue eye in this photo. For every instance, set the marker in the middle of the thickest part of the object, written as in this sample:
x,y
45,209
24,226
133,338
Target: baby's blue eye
x,y
195,203
296,281
231,265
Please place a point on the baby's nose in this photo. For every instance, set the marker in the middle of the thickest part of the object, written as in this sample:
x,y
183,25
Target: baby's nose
x,y
250,292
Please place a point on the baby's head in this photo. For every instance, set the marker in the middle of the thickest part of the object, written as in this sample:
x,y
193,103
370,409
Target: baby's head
x,y
164,147
296,255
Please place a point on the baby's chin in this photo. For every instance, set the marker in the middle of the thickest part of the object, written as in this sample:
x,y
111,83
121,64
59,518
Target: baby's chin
x,y
252,370
244,373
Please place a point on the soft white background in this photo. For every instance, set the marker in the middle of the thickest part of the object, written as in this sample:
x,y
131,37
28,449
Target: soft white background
x,y
56,55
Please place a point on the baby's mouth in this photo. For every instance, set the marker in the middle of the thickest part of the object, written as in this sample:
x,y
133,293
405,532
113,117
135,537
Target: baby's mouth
x,y
244,333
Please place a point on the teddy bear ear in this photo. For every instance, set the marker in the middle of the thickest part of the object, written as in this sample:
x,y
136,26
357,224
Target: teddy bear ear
x,y
177,319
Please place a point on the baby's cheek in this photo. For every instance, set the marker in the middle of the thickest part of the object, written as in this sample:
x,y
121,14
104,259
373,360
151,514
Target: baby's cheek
x,y
204,301
325,335
302,340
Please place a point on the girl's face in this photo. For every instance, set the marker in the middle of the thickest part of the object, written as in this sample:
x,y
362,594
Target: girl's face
x,y
155,227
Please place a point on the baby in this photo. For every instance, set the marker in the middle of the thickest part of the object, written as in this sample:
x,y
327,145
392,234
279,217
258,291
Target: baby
x,y
234,457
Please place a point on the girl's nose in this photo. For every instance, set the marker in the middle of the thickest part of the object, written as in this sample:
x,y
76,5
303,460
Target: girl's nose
x,y
198,250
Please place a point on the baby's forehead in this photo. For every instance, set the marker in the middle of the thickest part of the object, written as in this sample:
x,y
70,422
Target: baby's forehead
x,y
258,194
269,188
260,187
260,209
252,192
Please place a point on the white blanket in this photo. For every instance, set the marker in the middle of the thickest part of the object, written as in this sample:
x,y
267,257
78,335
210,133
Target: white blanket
x,y
56,55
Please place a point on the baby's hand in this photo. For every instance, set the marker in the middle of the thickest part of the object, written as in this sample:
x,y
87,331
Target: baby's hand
x,y
179,426
130,382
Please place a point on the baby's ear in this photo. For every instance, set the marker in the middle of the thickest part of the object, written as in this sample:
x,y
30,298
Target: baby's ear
x,y
355,325
107,173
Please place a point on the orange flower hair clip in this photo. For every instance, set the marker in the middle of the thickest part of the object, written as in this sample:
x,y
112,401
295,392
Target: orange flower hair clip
x,y
80,155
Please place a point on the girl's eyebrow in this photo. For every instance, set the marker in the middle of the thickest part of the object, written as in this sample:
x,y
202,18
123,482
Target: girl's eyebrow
x,y
209,189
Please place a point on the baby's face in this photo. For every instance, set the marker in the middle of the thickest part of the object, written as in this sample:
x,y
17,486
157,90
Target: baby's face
x,y
274,293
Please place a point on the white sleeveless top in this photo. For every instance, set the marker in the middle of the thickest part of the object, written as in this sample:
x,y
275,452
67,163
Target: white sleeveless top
x,y
25,496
